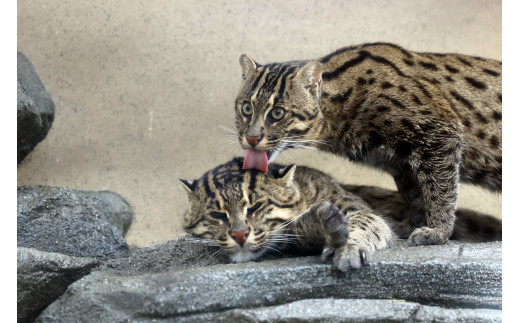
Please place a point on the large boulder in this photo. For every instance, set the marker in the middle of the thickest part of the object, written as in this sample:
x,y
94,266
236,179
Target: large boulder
x,y
35,108
42,277
73,222
185,280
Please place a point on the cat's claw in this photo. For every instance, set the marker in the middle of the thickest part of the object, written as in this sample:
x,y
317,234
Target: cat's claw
x,y
350,257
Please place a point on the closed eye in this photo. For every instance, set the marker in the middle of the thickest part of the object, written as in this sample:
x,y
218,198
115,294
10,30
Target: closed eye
x,y
253,209
219,216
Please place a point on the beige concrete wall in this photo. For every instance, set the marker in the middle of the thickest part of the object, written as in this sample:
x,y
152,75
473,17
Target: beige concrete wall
x,y
141,87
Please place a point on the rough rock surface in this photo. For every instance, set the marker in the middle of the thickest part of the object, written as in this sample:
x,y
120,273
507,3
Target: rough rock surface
x,y
172,256
35,108
42,277
72,222
348,310
171,282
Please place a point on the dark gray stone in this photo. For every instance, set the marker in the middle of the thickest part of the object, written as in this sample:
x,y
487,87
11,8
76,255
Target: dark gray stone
x,y
347,310
454,275
42,277
72,222
35,108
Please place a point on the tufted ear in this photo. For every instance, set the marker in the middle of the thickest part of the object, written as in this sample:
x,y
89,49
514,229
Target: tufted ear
x,y
248,65
189,186
285,174
310,76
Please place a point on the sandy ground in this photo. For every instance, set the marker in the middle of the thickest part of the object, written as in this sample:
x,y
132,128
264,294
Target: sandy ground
x,y
142,87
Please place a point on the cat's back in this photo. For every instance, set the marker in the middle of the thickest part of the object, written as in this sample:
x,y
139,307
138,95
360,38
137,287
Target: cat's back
x,y
457,75
425,90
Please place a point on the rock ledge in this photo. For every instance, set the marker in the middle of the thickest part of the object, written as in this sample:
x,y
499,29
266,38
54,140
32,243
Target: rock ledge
x,y
464,277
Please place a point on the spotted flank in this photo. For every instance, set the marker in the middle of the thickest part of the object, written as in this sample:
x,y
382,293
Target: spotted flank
x,y
430,120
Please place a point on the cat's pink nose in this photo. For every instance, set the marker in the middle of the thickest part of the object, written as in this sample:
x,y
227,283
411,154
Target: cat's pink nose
x,y
240,236
253,141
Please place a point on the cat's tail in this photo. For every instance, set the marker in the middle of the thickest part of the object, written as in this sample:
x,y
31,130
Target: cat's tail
x,y
469,225
475,226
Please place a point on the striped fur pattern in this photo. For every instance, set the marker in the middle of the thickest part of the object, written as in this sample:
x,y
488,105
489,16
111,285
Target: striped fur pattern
x,y
303,208
247,213
430,120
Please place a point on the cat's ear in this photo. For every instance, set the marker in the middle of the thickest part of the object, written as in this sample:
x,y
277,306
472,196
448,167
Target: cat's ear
x,y
286,174
248,65
310,76
189,186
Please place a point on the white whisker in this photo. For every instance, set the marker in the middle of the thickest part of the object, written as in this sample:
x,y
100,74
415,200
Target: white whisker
x,y
273,248
217,253
229,129
205,241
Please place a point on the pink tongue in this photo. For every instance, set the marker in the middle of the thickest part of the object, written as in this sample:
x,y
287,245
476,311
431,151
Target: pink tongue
x,y
255,159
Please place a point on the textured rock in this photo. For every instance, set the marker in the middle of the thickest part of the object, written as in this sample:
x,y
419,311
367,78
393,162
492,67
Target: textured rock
x,y
35,108
42,277
452,275
174,255
72,222
348,310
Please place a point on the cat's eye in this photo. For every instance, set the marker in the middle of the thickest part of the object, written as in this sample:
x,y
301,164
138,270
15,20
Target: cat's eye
x,y
254,208
278,113
247,109
219,216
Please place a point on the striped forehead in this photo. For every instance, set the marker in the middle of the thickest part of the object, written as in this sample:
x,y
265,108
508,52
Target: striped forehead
x,y
229,182
223,188
223,178
270,83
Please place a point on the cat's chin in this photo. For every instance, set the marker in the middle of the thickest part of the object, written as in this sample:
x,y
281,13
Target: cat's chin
x,y
245,255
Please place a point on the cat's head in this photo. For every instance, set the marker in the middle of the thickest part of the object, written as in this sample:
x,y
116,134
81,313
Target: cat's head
x,y
277,107
245,212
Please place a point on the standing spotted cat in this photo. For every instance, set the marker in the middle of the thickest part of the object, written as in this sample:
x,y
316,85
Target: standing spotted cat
x,y
430,120
247,213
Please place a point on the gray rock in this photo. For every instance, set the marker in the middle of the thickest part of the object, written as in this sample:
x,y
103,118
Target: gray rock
x,y
42,277
72,222
179,254
174,255
453,275
347,310
435,314
35,108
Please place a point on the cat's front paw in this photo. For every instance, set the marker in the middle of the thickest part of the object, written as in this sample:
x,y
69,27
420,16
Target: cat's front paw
x,y
351,257
335,226
428,236
334,222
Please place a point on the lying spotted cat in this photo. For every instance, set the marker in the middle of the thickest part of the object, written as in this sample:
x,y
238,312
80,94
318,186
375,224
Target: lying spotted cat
x,y
248,213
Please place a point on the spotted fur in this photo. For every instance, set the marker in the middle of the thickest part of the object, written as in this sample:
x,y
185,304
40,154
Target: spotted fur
x,y
248,213
430,120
